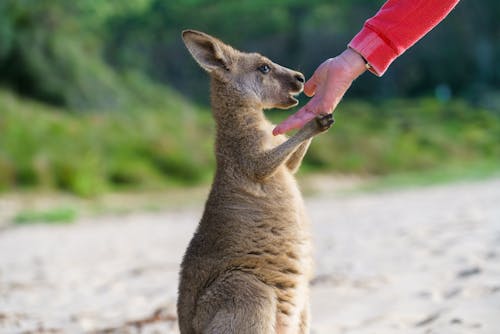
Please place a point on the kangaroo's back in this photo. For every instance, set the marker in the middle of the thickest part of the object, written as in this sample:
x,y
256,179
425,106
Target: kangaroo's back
x,y
247,267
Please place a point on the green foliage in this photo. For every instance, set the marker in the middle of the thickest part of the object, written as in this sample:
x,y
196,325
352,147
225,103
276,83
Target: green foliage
x,y
45,54
406,135
53,216
96,152
171,144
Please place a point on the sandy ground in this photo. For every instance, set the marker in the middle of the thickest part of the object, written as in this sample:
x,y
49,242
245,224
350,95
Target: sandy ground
x,y
413,261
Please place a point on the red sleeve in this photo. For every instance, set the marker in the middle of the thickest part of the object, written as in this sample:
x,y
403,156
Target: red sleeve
x,y
398,25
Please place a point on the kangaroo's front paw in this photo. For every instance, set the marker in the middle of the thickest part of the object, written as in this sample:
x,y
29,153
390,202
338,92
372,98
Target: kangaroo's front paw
x,y
324,122
317,125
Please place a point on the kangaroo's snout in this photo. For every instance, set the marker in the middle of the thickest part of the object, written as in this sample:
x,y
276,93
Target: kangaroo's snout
x,y
295,85
295,80
299,80
300,77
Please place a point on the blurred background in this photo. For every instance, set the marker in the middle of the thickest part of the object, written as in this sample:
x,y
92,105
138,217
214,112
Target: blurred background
x,y
104,121
102,96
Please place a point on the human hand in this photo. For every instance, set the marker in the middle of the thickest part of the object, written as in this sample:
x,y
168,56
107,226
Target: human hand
x,y
328,85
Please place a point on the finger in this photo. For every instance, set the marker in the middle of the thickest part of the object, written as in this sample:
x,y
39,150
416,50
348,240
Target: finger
x,y
295,121
311,85
290,124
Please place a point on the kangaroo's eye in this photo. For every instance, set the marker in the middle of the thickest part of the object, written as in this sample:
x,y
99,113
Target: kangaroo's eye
x,y
264,68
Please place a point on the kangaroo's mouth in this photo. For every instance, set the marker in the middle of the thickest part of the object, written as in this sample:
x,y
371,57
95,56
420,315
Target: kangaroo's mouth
x,y
289,98
293,94
292,101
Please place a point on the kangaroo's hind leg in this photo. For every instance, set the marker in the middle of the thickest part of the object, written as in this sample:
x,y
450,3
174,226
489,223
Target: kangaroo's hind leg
x,y
236,303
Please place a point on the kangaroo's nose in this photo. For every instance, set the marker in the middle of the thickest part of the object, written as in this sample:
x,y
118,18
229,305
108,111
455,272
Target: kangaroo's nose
x,y
300,77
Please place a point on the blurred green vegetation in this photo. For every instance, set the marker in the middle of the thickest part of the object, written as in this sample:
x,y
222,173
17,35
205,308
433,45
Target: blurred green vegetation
x,y
407,135
87,154
47,147
53,216
97,95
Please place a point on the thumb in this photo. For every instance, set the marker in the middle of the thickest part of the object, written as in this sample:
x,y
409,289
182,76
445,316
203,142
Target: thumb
x,y
311,84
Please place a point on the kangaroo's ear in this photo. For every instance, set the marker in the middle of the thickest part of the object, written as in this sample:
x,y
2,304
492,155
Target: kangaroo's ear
x,y
208,51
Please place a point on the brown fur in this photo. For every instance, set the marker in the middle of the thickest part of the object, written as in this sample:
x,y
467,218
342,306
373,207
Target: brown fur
x,y
247,268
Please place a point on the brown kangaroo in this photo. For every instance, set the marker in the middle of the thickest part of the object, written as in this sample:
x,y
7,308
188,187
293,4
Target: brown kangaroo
x,y
248,266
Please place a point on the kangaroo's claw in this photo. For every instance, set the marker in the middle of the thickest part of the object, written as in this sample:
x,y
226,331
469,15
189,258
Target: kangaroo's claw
x,y
325,121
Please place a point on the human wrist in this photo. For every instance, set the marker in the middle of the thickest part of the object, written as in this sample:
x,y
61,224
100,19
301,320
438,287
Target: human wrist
x,y
356,63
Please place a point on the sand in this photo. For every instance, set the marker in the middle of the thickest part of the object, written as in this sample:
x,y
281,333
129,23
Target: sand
x,y
423,260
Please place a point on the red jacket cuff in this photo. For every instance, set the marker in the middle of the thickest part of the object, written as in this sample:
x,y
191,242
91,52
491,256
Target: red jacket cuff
x,y
374,50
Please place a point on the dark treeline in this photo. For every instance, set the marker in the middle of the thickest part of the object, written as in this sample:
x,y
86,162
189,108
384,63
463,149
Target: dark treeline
x,y
73,53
